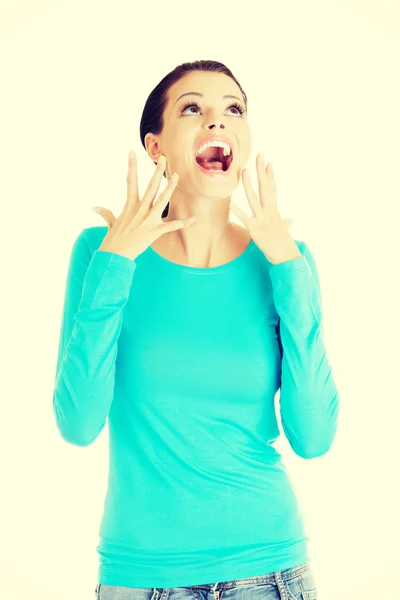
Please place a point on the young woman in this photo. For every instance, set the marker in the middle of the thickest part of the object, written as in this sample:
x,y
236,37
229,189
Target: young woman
x,y
179,333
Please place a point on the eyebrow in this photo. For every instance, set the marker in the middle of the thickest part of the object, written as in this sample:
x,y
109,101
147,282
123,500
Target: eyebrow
x,y
202,95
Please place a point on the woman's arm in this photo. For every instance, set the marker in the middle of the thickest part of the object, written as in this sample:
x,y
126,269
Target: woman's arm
x,y
97,289
309,399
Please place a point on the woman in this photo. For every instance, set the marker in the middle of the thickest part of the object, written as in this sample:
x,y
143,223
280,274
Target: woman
x,y
181,341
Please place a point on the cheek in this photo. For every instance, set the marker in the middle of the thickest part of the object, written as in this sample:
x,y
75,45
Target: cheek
x,y
245,144
246,152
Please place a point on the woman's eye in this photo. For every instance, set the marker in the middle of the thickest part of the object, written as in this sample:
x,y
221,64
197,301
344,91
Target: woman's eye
x,y
191,106
238,108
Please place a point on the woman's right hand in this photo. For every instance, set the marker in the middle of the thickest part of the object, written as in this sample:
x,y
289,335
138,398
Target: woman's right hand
x,y
140,224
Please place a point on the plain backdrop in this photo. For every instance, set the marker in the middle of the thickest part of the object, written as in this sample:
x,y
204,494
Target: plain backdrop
x,y
322,80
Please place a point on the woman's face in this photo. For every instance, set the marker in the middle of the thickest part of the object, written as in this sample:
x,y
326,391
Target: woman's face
x,y
208,115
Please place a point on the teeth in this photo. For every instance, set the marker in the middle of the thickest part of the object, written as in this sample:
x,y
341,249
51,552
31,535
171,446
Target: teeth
x,y
218,144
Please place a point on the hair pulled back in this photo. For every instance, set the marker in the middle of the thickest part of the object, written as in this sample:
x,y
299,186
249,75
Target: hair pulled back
x,y
152,120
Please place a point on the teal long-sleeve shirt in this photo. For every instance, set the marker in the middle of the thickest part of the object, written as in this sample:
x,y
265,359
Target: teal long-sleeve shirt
x,y
183,364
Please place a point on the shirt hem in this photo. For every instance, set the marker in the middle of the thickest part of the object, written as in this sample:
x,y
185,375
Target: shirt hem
x,y
180,578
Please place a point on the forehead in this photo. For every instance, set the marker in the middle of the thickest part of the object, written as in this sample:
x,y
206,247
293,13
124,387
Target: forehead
x,y
212,85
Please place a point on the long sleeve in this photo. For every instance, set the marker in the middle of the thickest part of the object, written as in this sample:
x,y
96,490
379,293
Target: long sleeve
x,y
187,398
309,399
97,289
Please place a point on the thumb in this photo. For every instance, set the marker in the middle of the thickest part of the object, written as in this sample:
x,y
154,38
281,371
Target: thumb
x,y
106,214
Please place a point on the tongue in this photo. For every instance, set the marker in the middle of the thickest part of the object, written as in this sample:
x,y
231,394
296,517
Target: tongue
x,y
211,159
211,164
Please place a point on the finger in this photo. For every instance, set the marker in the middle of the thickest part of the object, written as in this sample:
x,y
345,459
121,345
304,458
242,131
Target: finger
x,y
154,184
267,189
162,201
132,193
262,179
241,214
250,193
106,214
177,224
172,226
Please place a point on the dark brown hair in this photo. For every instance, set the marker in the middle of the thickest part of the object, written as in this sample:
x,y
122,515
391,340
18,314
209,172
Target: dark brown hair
x,y
152,120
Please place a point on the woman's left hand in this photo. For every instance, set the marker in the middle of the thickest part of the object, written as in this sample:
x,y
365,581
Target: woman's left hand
x,y
266,227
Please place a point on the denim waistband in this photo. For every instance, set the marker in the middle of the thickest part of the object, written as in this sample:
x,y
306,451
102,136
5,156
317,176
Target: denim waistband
x,y
285,575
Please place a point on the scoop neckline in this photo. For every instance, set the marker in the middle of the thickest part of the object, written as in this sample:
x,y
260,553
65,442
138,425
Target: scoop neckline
x,y
205,270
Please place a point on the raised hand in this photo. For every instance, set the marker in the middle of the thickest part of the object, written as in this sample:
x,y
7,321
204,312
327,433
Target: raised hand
x,y
266,226
140,222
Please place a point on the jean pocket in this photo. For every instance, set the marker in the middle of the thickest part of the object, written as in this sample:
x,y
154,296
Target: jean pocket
x,y
97,591
301,587
311,595
308,586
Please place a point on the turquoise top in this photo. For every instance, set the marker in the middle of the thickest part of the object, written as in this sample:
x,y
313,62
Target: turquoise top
x,y
183,364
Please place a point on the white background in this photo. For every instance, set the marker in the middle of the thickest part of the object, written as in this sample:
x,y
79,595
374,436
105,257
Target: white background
x,y
322,80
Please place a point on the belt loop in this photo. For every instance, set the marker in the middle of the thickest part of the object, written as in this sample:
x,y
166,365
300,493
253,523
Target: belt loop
x,y
216,592
281,586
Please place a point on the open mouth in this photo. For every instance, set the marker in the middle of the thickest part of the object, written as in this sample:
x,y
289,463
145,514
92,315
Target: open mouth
x,y
213,160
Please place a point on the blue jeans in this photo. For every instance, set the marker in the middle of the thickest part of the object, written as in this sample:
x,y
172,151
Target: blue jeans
x,y
296,583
